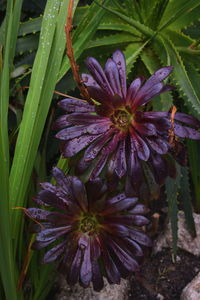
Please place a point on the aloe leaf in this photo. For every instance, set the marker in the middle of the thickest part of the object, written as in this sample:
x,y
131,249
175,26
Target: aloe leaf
x,y
175,10
148,32
187,19
194,162
193,31
186,83
156,13
179,38
132,52
30,27
172,187
27,44
118,27
114,39
187,200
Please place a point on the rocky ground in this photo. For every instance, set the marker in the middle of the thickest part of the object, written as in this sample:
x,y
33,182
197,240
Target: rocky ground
x,y
161,278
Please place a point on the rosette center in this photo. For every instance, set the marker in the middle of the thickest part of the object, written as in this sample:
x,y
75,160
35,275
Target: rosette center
x,y
122,119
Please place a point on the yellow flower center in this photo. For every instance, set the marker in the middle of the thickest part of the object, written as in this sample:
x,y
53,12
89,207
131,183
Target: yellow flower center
x,y
122,119
88,223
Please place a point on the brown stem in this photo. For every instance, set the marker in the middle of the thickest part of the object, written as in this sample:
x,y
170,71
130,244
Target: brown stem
x,y
70,53
27,258
25,265
171,130
55,92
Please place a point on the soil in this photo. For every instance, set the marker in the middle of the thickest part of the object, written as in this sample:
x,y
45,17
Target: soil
x,y
162,279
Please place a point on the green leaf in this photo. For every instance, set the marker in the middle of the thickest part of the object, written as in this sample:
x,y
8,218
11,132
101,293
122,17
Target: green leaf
x,y
118,27
194,162
187,19
35,110
156,13
148,32
132,52
176,10
114,39
178,38
193,31
27,44
113,22
8,269
30,27
186,83
172,187
144,8
187,201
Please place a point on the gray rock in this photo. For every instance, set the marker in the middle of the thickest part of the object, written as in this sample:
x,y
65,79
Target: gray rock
x,y
109,292
192,290
185,241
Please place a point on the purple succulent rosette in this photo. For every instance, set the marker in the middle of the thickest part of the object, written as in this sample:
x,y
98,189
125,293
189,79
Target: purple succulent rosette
x,y
117,133
93,236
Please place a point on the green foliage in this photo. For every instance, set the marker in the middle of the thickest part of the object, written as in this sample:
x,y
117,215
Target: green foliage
x,y
185,196
194,162
172,188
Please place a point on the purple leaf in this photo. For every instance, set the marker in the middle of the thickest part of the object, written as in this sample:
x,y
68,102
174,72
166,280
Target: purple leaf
x,y
129,262
121,159
86,119
140,237
119,206
71,132
97,278
75,105
61,122
73,275
158,144
190,120
135,248
37,213
119,59
117,198
80,193
54,253
112,74
139,209
132,91
86,266
93,150
112,272
141,147
98,74
99,166
52,233
146,129
52,200
77,144
186,132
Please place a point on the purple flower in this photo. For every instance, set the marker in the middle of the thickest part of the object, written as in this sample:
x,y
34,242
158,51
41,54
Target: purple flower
x,y
93,236
118,133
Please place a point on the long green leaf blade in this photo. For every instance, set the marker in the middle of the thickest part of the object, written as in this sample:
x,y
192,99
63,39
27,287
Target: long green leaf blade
x,y
7,266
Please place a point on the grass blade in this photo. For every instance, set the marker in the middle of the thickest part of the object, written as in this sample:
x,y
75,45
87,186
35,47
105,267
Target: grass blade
x,y
29,136
7,265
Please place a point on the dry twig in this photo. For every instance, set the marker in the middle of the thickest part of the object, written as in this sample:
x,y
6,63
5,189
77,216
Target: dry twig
x,y
70,53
